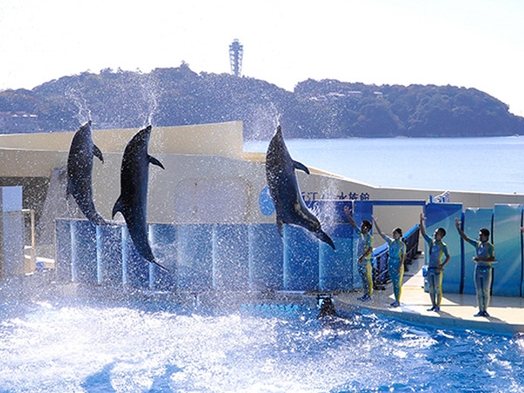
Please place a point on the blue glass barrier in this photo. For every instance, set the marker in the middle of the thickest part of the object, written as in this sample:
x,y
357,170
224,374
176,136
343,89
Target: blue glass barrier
x,y
266,264
230,257
162,238
411,238
300,259
335,266
380,264
109,254
135,268
507,274
195,257
63,251
83,252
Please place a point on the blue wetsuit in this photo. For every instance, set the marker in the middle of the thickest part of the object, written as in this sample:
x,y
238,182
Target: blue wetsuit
x,y
397,249
483,272
438,252
364,268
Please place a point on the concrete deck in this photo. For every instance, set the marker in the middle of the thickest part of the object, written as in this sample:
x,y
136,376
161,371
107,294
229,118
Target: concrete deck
x,y
456,311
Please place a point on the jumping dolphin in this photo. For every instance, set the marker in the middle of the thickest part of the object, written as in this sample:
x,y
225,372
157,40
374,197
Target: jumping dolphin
x,y
132,202
79,172
284,190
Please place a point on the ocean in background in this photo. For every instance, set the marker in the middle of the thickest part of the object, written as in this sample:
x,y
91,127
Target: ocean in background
x,y
493,164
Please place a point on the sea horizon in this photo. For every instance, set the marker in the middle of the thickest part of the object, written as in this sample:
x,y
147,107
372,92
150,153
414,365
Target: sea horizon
x,y
477,164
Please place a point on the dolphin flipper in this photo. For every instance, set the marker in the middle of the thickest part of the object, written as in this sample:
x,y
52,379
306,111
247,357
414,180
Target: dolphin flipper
x,y
302,167
154,161
98,153
160,266
118,207
323,236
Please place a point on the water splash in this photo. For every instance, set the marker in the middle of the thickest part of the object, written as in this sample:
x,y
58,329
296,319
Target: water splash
x,y
149,89
76,95
74,345
263,120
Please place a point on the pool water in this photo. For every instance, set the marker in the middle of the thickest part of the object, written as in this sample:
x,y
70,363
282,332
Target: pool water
x,y
79,345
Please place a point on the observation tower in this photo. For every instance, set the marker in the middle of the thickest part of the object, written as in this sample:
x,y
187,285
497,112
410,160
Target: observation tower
x,y
236,50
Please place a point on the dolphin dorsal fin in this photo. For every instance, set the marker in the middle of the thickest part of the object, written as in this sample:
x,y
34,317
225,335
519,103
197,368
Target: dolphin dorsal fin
x,y
300,166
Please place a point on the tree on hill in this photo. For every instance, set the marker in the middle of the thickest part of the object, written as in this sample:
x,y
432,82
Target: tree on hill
x,y
315,109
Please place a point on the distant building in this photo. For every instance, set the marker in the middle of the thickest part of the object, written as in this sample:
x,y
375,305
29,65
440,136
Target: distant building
x,y
236,51
18,123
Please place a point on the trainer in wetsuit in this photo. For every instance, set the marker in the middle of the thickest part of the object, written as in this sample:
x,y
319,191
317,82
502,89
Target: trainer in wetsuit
x,y
485,254
365,254
396,256
438,258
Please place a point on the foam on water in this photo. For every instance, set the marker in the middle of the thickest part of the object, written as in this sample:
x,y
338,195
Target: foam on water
x,y
74,346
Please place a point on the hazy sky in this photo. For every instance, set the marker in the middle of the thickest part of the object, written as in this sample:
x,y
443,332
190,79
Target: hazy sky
x,y
470,43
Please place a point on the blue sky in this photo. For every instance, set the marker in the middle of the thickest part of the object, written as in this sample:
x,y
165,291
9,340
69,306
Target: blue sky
x,y
470,43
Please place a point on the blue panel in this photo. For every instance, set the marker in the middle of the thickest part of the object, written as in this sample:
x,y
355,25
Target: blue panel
x,y
443,215
135,268
300,259
162,238
11,198
474,219
230,257
507,273
195,257
109,254
63,250
83,246
336,266
363,210
266,263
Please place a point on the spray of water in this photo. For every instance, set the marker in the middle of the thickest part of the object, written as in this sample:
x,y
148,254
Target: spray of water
x,y
263,119
77,97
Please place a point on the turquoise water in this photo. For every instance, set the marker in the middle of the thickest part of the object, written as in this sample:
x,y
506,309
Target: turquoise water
x,y
73,345
467,164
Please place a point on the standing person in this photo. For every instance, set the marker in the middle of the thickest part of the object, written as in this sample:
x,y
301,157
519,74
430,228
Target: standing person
x,y
438,258
365,254
485,255
397,255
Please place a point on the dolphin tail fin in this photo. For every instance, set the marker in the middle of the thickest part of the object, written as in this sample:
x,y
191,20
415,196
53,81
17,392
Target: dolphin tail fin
x,y
302,167
98,219
325,238
118,207
154,161
279,227
69,187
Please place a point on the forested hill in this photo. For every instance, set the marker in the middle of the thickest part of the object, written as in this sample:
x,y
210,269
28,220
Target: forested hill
x,y
315,109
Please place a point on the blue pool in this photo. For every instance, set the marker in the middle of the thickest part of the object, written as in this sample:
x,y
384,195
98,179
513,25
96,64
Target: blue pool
x,y
82,344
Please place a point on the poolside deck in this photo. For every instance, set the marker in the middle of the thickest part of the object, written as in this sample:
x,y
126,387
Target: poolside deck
x,y
506,313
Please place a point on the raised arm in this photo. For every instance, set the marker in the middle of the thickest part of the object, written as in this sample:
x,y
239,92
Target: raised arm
x,y
422,226
461,233
378,229
347,210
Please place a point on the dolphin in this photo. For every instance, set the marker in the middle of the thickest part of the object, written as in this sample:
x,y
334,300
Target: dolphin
x,y
132,202
79,172
284,190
